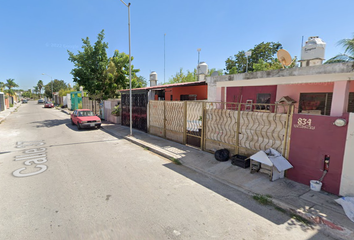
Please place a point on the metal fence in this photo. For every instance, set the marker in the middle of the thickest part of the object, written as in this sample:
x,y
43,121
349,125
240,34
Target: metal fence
x,y
240,127
91,104
139,111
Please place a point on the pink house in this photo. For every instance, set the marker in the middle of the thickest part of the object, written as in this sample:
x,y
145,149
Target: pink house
x,y
324,95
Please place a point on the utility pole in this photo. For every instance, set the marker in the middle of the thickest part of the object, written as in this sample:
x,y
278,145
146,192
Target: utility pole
x,y
164,59
199,49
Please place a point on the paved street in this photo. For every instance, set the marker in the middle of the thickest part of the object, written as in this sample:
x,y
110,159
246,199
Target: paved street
x,y
58,182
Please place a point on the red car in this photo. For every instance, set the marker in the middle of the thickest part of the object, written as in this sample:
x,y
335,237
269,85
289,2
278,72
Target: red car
x,y
48,105
84,118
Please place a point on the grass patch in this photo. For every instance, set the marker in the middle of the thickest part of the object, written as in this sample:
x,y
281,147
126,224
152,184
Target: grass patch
x,y
264,200
300,219
280,209
296,217
146,148
175,161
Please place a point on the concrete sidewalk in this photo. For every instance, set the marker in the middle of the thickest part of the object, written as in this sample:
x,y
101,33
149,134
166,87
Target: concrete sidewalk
x,y
4,114
296,198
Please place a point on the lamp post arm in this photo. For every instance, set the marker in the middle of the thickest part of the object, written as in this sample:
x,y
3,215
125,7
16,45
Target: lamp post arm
x,y
125,3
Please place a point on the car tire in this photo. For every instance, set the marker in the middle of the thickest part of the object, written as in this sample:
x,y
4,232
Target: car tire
x,y
98,126
78,126
72,123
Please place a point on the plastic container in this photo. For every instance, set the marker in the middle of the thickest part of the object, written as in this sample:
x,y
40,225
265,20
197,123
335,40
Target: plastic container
x,y
315,185
240,161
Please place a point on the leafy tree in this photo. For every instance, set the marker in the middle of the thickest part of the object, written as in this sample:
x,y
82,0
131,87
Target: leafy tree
x,y
262,51
181,77
27,94
99,75
57,85
348,55
76,87
211,71
139,82
2,86
40,85
10,84
64,92
36,90
90,64
119,68
275,64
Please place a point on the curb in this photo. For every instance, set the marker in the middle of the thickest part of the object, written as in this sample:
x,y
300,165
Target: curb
x,y
64,111
2,119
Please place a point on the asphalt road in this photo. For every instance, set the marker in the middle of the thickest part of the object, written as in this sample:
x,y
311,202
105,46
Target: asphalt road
x,y
58,182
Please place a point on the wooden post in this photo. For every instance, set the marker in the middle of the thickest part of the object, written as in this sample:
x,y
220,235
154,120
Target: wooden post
x,y
202,135
148,105
292,106
185,122
237,144
164,119
287,125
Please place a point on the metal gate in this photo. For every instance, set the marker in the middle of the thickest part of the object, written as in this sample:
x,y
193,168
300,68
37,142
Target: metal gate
x,y
240,127
139,111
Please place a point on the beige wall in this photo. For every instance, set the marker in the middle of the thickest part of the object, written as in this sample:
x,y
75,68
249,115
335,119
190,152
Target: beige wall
x,y
347,181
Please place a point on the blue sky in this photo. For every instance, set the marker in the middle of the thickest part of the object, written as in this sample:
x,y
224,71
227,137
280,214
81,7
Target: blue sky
x,y
35,35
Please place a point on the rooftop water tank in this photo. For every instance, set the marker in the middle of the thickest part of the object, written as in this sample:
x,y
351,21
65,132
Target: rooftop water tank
x,y
203,68
313,49
153,75
153,79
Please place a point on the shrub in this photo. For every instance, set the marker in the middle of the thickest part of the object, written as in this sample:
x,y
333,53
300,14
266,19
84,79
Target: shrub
x,y
11,105
116,110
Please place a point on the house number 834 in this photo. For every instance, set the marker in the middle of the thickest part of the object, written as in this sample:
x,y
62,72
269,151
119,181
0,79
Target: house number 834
x,y
304,121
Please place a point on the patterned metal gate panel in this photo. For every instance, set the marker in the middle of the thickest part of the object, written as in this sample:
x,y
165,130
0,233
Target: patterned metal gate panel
x,y
194,123
139,110
240,127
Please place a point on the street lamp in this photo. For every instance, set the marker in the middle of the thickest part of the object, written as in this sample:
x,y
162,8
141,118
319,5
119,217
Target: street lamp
x,y
51,80
130,72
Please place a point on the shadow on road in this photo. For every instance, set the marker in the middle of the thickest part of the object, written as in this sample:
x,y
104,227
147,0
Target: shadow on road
x,y
57,122
269,212
51,123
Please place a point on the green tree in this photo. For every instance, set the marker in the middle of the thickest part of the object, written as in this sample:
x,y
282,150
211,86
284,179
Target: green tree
x,y
40,85
181,77
139,82
212,70
348,55
263,51
90,64
57,85
10,84
27,94
36,90
2,86
64,92
119,68
274,64
101,76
